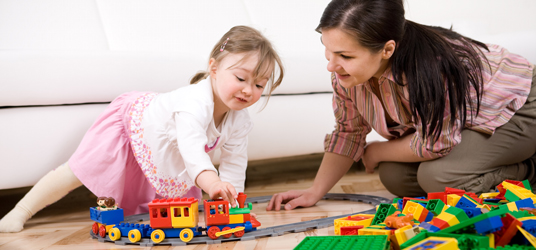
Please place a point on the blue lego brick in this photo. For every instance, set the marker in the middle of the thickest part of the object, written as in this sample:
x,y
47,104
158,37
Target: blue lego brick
x,y
464,202
429,227
524,203
472,212
110,217
530,226
429,217
489,225
400,204
124,228
175,232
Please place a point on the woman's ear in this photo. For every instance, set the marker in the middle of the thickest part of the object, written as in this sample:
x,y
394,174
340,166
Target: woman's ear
x,y
212,68
388,49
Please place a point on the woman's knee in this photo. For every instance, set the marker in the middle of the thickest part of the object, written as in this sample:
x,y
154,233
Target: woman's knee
x,y
400,178
434,177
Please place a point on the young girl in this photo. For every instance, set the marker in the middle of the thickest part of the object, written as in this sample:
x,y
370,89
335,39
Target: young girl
x,y
147,145
455,112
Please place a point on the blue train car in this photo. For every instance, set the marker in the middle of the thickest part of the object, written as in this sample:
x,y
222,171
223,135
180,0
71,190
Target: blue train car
x,y
105,220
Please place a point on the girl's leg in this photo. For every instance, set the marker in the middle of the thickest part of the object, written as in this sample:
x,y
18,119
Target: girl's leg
x,y
49,189
400,178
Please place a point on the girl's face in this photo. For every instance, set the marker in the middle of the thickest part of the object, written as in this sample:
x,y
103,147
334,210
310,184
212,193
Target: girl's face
x,y
234,85
350,61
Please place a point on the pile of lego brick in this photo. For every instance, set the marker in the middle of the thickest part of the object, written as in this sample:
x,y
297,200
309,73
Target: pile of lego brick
x,y
453,219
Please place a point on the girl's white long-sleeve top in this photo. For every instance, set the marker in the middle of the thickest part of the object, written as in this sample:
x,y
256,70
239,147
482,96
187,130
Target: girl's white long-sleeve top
x,y
179,129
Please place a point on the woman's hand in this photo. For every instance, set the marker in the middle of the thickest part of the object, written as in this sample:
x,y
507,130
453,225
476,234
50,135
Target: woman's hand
x,y
371,157
224,190
293,199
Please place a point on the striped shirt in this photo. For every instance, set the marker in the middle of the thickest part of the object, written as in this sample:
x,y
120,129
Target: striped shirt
x,y
507,83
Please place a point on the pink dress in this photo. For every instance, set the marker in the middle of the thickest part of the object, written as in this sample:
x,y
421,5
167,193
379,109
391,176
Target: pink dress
x,y
105,163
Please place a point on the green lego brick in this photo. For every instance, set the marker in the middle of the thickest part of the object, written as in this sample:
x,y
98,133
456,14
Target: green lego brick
x,y
237,210
382,212
502,210
458,213
520,214
435,206
509,247
373,242
511,196
526,184
465,241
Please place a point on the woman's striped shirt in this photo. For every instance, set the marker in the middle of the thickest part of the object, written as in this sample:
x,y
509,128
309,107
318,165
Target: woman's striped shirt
x,y
507,83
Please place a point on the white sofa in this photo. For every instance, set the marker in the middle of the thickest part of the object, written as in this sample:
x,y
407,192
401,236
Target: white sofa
x,y
62,61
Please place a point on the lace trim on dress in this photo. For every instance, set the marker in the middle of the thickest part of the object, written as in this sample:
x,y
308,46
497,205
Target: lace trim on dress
x,y
165,185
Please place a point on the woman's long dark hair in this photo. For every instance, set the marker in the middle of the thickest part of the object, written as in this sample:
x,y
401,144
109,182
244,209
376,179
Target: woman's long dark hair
x,y
438,64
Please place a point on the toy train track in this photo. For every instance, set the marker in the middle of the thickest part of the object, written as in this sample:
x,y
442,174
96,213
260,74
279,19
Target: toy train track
x,y
261,232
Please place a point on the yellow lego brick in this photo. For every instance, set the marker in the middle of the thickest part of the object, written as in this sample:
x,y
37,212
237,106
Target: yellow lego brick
x,y
452,199
236,218
354,220
491,240
368,231
512,206
379,226
520,192
530,218
400,235
448,218
413,208
444,208
436,243
488,195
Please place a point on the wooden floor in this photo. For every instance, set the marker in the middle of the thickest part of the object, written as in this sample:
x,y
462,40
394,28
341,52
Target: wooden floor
x,y
66,224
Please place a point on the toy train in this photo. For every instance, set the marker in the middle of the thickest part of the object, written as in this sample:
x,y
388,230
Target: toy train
x,y
178,218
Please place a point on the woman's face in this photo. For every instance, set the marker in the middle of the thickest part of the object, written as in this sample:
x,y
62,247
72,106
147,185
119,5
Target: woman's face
x,y
352,63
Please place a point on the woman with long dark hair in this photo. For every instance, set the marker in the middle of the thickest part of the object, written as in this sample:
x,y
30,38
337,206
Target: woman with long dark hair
x,y
455,112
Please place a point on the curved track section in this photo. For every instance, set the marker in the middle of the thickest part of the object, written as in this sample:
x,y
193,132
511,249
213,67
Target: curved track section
x,y
261,232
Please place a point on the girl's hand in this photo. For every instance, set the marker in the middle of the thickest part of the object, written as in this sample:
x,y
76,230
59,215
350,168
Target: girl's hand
x,y
370,157
224,190
293,199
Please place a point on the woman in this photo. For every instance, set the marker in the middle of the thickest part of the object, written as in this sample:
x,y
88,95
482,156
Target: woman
x,y
456,112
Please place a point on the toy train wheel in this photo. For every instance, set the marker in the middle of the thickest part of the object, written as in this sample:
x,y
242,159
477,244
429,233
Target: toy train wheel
x,y
114,234
239,234
158,236
186,235
95,228
102,231
134,235
211,232
227,235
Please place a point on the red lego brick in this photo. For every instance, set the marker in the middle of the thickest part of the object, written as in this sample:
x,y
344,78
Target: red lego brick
x,y
507,232
159,213
438,195
351,230
216,212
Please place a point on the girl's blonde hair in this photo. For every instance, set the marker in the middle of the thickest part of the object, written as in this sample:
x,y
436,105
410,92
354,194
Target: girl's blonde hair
x,y
244,39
